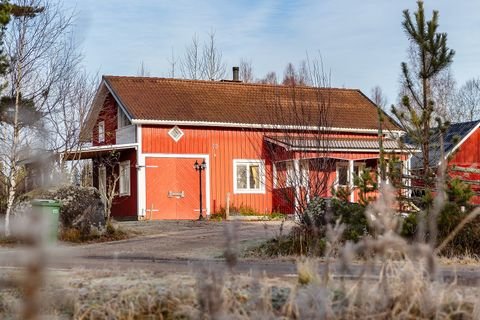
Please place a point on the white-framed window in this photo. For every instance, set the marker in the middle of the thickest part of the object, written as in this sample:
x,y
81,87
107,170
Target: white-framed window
x,y
344,178
102,181
101,131
175,133
248,176
124,181
122,119
302,178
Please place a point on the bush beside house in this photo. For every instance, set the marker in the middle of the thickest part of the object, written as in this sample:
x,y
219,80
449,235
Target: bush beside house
x,y
82,214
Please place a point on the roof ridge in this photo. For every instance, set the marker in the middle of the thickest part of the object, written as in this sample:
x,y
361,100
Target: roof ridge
x,y
226,82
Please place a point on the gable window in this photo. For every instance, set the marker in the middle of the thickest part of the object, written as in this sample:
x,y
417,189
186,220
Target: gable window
x,y
124,181
248,176
175,133
101,131
122,119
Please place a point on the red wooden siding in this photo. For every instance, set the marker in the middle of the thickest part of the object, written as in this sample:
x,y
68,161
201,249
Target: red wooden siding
x,y
165,175
123,206
108,114
222,146
468,156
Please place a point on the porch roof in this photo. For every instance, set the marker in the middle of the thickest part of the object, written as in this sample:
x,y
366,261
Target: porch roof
x,y
95,151
339,144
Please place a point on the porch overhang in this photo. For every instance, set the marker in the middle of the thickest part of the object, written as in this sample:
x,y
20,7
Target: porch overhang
x,y
97,151
339,144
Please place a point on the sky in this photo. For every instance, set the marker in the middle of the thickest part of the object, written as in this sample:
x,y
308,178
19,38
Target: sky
x,y
361,42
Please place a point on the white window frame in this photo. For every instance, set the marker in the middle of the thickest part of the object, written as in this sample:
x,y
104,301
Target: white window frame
x,y
248,162
101,137
346,164
121,182
102,181
342,164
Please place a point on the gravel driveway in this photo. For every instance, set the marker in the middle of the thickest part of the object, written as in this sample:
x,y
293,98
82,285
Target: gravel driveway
x,y
185,239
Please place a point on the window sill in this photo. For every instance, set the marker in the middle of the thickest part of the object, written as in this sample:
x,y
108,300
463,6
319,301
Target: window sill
x,y
124,194
249,191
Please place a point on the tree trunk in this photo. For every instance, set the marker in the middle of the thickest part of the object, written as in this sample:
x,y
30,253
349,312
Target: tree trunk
x,y
12,190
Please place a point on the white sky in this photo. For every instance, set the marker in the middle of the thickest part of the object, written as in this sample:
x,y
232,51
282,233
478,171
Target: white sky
x,y
361,41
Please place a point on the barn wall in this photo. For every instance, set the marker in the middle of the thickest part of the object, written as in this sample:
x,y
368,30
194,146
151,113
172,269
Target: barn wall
x,y
124,207
223,145
109,115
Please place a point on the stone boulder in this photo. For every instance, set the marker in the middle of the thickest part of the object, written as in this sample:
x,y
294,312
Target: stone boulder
x,y
82,207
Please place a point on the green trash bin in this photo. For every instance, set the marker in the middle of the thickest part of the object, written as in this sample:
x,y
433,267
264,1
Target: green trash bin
x,y
52,209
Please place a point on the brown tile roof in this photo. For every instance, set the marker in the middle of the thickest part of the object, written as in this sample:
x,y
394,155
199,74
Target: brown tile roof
x,y
240,103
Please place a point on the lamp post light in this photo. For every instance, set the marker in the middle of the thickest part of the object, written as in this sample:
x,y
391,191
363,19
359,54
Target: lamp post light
x,y
200,167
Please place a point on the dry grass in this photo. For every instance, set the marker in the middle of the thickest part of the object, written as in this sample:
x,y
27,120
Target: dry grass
x,y
401,292
395,280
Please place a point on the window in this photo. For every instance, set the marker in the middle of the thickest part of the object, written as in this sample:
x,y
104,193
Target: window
x,y
300,179
344,178
122,119
101,131
124,181
249,176
342,174
102,181
175,133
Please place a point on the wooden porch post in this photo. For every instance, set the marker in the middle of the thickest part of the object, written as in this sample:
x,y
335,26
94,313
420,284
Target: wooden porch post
x,y
296,172
350,175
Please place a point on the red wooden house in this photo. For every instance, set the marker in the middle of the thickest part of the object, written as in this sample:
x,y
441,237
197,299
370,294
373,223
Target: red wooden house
x,y
461,148
161,127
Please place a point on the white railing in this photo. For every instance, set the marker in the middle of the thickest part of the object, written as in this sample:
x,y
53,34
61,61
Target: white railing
x,y
126,134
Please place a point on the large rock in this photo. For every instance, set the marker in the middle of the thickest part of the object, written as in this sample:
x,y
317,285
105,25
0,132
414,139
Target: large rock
x,y
82,208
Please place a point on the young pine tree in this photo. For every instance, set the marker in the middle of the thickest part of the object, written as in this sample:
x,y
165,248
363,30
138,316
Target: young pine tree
x,y
430,56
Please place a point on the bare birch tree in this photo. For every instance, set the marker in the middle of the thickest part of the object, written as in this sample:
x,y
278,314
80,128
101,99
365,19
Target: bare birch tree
x,y
213,66
270,78
109,191
246,71
466,106
142,70
191,64
301,169
173,61
380,101
35,41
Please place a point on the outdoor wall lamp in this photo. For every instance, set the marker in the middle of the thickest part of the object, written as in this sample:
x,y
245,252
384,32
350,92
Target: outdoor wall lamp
x,y
200,167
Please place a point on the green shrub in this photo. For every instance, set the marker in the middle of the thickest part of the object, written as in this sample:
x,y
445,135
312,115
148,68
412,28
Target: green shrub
x,y
459,192
468,239
409,226
352,215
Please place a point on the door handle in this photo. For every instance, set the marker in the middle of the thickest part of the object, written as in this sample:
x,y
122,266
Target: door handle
x,y
178,194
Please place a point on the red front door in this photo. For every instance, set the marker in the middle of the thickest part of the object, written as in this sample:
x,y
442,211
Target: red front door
x,y
172,188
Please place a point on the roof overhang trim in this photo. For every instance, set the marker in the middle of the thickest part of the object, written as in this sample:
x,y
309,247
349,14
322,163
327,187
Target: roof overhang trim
x,y
86,153
256,126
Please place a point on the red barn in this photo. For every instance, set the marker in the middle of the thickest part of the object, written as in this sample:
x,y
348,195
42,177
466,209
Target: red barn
x,y
252,138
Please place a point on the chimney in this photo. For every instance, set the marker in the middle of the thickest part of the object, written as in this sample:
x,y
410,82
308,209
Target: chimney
x,y
236,71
